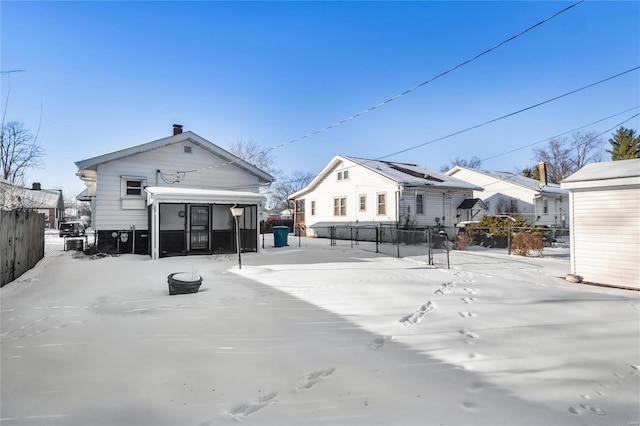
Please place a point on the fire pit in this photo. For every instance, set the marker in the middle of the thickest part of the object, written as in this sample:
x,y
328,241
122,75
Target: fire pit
x,y
183,283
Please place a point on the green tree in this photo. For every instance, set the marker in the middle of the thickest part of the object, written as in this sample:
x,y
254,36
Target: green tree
x,y
625,144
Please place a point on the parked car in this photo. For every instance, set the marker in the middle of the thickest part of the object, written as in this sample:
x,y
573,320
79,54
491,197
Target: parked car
x,y
273,218
71,229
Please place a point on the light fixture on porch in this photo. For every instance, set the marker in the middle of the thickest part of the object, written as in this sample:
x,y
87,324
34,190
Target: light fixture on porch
x,y
236,212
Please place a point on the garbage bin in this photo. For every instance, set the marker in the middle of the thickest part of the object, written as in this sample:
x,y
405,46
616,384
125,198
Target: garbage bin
x,y
280,236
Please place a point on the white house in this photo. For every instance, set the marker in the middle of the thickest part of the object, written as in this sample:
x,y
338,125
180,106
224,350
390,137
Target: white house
x,y
172,196
350,191
540,202
605,225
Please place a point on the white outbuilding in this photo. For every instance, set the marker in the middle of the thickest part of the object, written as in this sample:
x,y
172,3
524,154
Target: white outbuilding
x,y
604,205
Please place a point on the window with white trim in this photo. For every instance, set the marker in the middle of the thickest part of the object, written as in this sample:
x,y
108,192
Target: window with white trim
x,y
363,203
340,206
382,203
132,186
419,203
313,208
343,175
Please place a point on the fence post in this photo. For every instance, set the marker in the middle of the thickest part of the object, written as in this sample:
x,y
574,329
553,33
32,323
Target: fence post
x,y
509,238
377,236
398,241
446,243
299,236
351,231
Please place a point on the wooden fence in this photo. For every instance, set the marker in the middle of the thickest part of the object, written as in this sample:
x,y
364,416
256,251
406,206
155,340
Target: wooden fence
x,y
21,243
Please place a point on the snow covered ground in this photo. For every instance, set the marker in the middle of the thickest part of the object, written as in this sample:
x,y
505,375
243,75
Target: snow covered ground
x,y
318,335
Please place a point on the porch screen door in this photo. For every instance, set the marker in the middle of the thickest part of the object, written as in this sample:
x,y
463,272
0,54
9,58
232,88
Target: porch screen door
x,y
199,228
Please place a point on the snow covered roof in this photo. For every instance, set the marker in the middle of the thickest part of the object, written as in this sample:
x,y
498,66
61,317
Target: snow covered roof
x,y
623,173
407,175
516,179
35,199
93,162
209,196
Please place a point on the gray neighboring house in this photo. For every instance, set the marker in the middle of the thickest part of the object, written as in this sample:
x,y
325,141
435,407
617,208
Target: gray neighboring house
x,y
605,225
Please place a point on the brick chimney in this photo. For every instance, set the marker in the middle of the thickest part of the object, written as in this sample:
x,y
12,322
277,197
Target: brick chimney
x,y
177,129
542,172
35,186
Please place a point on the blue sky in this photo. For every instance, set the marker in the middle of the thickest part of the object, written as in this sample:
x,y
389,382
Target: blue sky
x,y
108,75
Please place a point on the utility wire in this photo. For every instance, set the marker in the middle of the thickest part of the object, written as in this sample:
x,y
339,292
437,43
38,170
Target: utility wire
x,y
508,115
566,133
424,83
414,88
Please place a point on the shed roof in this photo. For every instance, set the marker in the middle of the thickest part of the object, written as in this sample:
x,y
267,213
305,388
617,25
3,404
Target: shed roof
x,y
606,170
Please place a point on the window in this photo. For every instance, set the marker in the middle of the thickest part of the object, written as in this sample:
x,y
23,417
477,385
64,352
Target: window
x,y
340,206
363,203
419,203
343,175
187,149
545,208
382,203
313,208
133,187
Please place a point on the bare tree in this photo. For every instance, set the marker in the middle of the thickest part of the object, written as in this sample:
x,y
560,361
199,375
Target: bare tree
x,y
251,152
19,152
287,185
565,156
472,163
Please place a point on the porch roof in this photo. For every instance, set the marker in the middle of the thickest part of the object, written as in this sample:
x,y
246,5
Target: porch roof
x,y
157,194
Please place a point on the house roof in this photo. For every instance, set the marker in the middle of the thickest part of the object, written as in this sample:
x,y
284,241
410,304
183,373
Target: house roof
x,y
35,199
470,203
515,179
404,174
93,162
209,196
610,173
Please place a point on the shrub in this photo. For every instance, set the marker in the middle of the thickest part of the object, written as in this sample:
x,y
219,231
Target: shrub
x,y
524,243
463,241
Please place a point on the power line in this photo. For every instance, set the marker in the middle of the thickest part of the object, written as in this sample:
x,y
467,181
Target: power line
x,y
568,132
424,83
507,115
414,88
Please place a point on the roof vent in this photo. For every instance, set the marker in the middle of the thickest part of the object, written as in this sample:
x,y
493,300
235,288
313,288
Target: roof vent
x,y
177,129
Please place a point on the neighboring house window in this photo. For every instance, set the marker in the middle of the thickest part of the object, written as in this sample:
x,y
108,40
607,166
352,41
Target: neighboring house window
x,y
514,206
545,208
313,208
419,203
340,206
187,149
133,187
382,203
343,175
363,203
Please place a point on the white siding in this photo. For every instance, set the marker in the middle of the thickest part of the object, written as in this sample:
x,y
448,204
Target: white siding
x,y
436,205
606,236
109,213
529,206
361,182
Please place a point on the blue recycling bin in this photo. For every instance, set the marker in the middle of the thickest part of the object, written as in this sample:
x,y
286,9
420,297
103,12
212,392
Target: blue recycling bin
x,y
280,236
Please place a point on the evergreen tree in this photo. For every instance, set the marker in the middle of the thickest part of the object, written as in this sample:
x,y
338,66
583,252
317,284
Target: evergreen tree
x,y
625,144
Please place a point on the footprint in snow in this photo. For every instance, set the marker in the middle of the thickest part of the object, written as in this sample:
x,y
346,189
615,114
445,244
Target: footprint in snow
x,y
468,300
471,290
379,342
467,314
469,334
417,316
312,379
242,411
445,288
